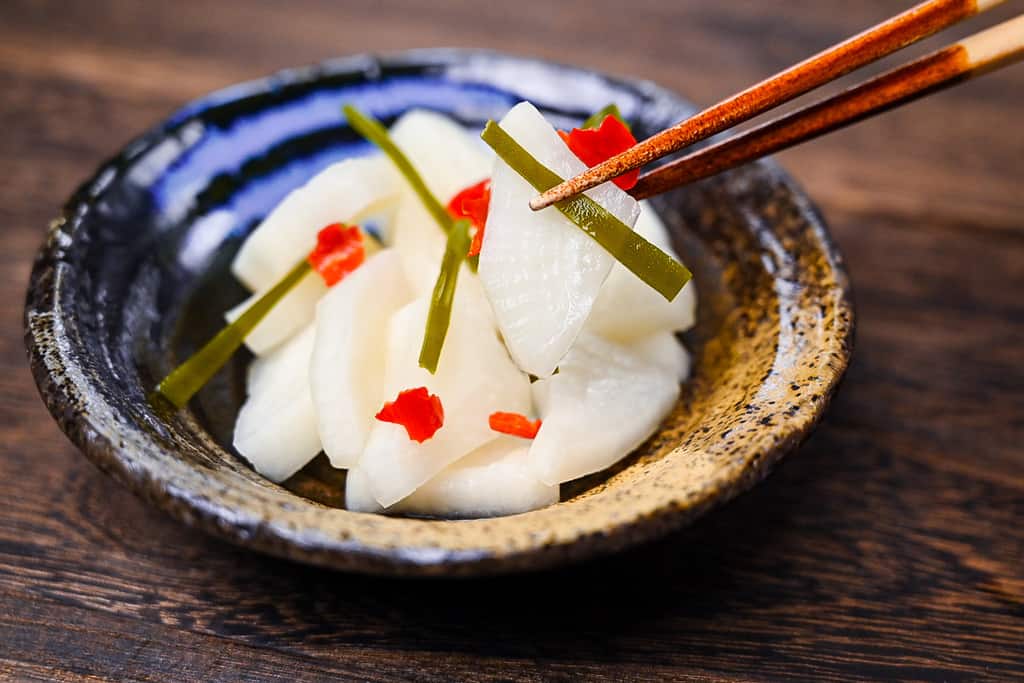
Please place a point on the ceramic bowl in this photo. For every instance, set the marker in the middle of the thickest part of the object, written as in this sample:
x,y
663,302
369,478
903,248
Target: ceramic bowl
x,y
134,275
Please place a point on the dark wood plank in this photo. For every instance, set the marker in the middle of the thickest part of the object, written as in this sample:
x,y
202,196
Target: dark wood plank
x,y
888,547
91,646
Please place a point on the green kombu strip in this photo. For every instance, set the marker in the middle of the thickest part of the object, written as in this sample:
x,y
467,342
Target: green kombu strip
x,y
455,250
189,377
375,132
444,295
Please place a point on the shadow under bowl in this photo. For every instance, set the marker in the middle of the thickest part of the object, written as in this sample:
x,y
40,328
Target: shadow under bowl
x,y
134,276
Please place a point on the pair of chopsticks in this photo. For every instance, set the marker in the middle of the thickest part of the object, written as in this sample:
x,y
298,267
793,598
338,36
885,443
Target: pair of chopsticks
x,y
972,56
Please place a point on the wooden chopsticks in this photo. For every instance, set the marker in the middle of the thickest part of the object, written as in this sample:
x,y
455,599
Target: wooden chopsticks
x,y
904,29
970,57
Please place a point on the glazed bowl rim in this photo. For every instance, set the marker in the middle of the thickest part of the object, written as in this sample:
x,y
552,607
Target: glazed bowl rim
x,y
167,481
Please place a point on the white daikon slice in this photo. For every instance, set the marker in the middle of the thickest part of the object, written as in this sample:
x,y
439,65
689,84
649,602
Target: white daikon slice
x,y
493,480
605,401
347,368
342,193
420,244
449,159
627,309
448,156
475,377
541,273
664,350
276,428
419,241
290,314
357,493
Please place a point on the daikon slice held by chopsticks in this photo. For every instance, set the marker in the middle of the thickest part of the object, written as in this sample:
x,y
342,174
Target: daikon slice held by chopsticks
x,y
541,273
642,258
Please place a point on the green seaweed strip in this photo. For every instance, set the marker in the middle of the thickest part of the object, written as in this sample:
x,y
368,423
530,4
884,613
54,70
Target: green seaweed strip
x,y
440,314
372,129
189,377
597,118
649,263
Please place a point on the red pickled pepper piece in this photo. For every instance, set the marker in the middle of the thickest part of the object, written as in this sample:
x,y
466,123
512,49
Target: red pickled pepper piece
x,y
473,203
339,250
594,145
515,424
419,411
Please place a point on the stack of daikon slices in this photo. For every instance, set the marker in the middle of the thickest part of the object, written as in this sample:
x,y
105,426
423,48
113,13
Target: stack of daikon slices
x,y
547,301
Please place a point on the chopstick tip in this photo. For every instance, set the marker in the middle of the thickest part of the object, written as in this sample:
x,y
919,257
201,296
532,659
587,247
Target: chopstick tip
x,y
541,201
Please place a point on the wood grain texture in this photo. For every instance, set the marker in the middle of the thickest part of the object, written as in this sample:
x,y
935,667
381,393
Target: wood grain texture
x,y
890,546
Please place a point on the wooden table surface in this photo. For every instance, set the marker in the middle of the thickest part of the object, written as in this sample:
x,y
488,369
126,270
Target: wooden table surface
x,y
890,546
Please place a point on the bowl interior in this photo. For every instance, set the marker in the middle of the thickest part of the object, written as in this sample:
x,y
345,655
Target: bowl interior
x,y
135,277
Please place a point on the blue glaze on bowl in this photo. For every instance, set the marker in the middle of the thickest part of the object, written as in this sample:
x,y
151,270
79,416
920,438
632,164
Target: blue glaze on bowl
x,y
243,149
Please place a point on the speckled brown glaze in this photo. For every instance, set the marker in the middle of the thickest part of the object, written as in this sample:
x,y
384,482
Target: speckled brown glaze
x,y
771,346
